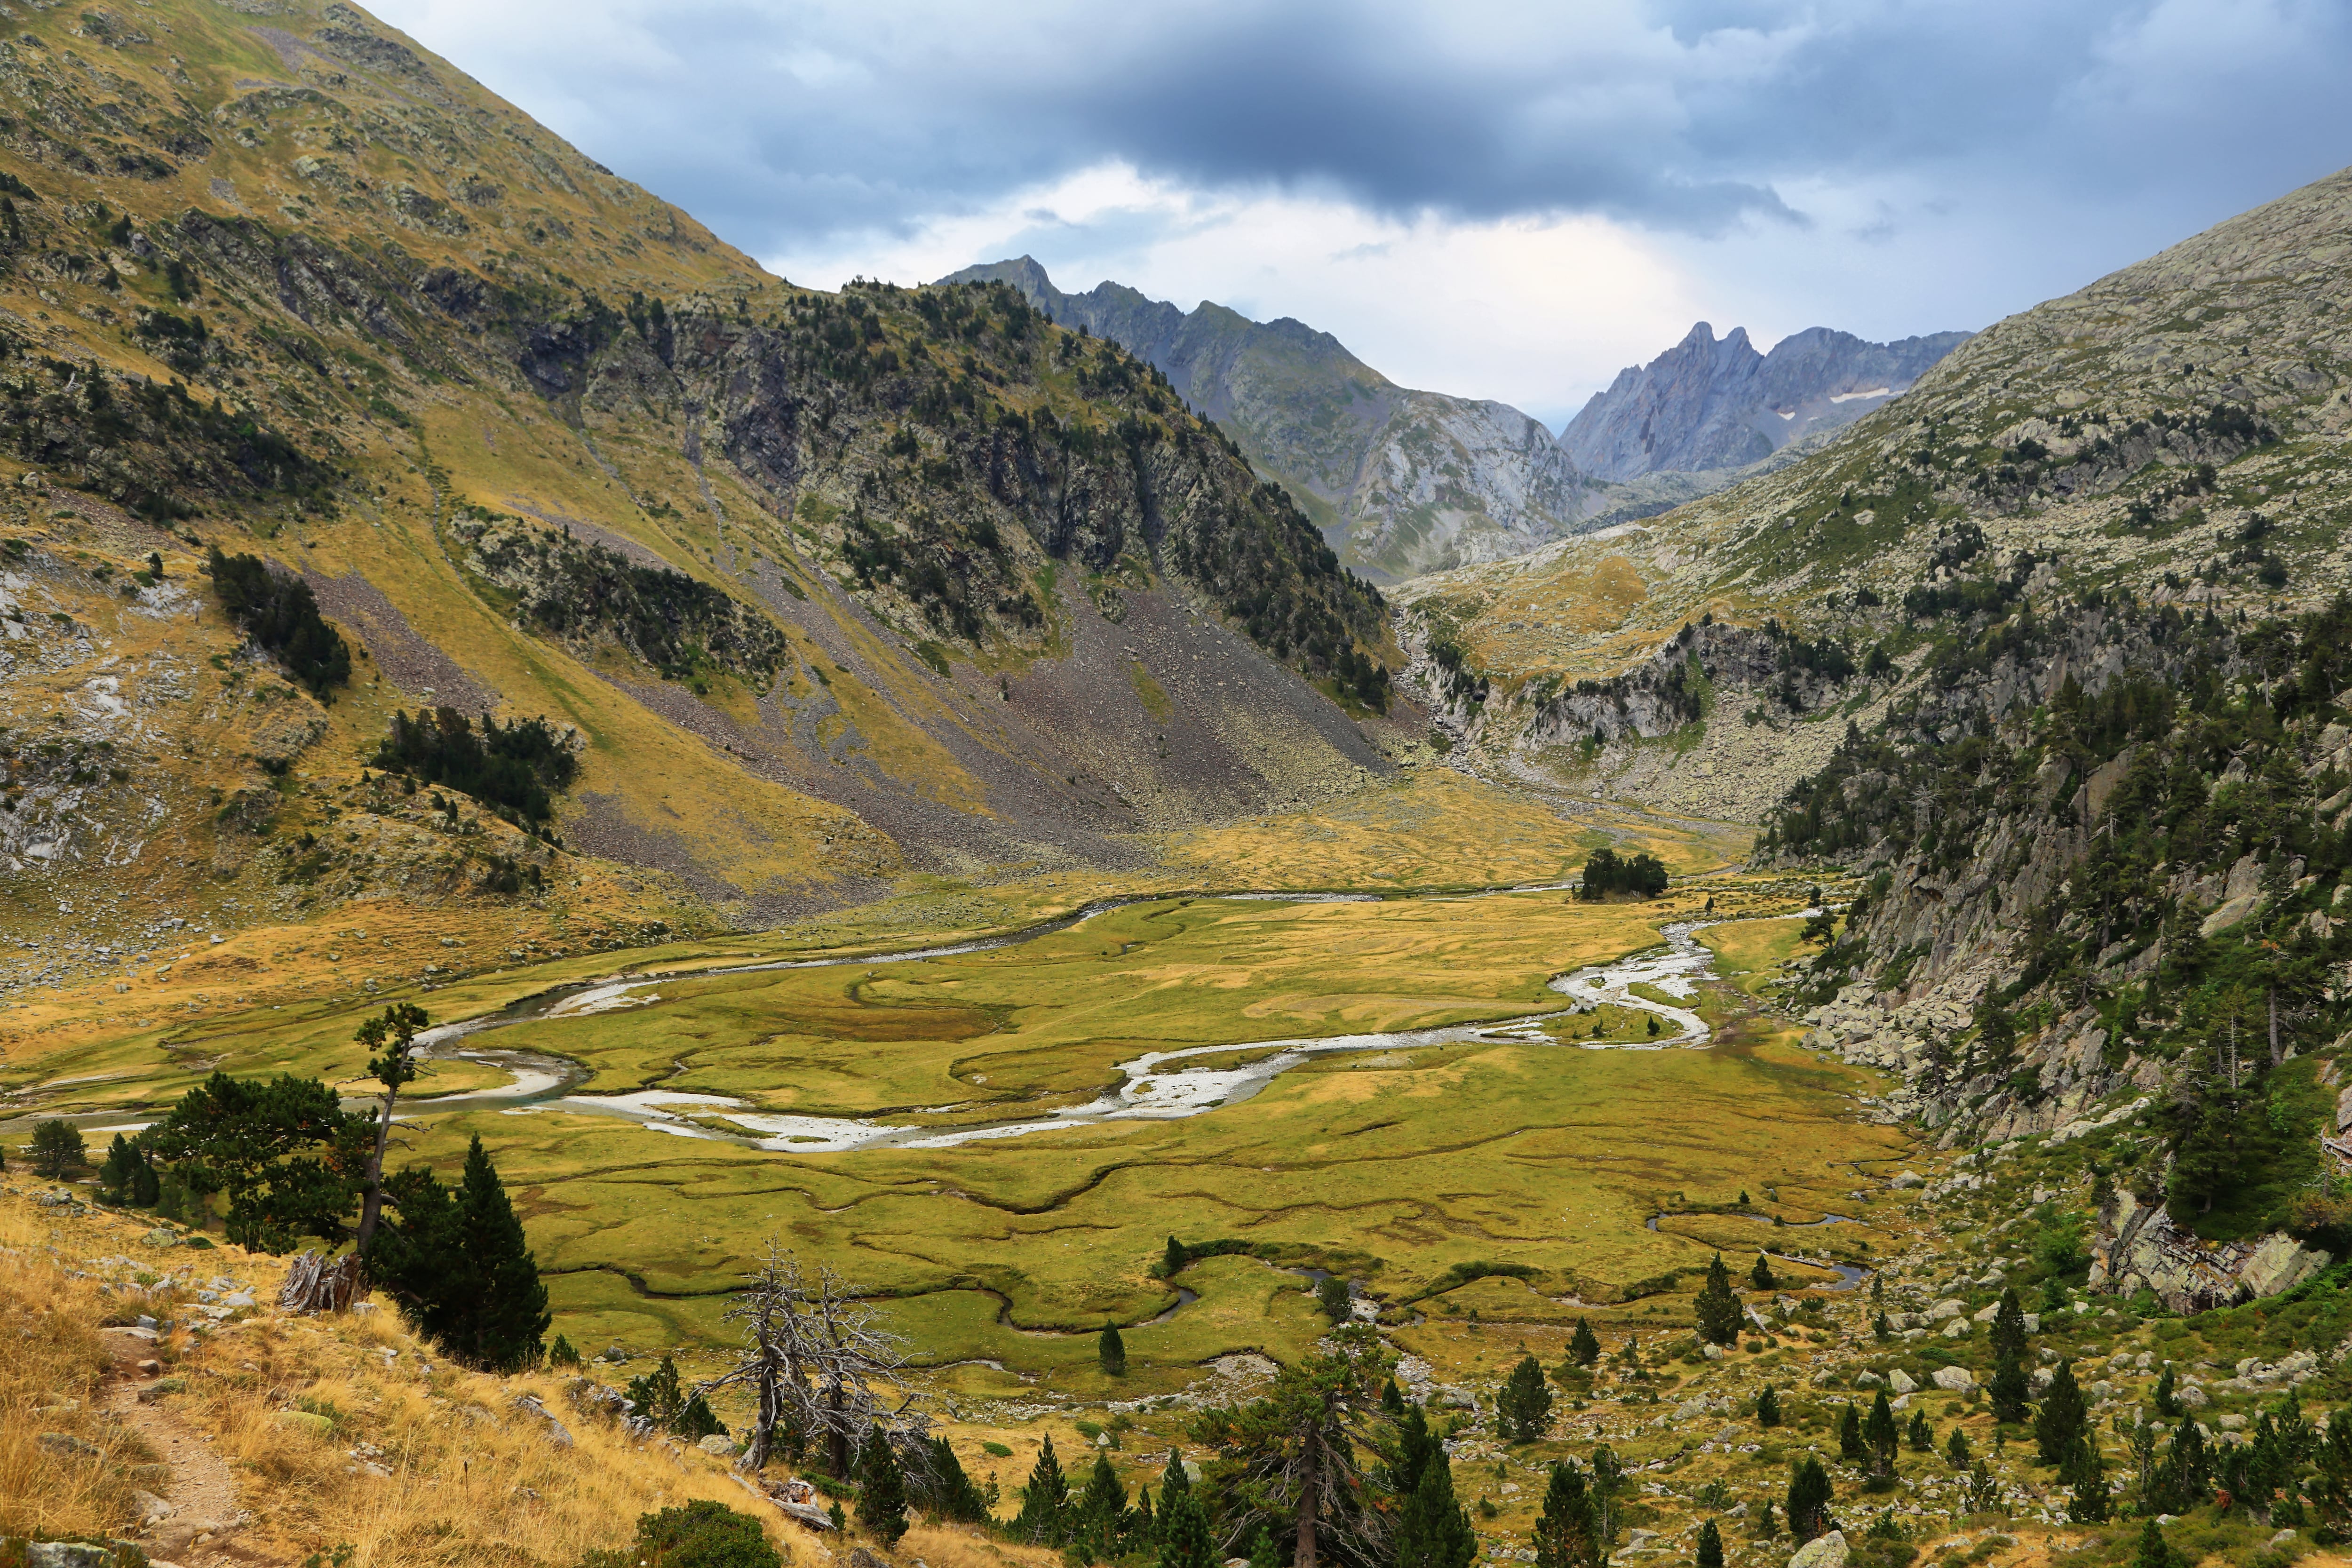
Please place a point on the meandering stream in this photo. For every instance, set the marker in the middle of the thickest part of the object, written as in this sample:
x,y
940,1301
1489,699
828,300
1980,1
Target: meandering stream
x,y
1157,1085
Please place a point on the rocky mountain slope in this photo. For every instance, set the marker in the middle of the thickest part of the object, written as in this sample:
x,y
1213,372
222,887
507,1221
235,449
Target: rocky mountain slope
x,y
822,589
1404,482
1705,405
2048,655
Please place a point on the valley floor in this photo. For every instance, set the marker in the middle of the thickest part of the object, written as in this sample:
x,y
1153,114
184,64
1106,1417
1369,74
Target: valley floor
x,y
1543,1162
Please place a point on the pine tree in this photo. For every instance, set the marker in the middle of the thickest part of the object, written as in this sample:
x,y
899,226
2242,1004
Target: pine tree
x,y
2188,1466
1111,1352
1760,1276
1921,1435
459,1266
1850,1446
698,1420
57,1149
1524,1402
118,1173
1416,1447
882,1491
1584,1345
2009,1323
1879,1434
2064,1420
657,1395
1767,1523
1710,1545
2168,1396
1433,1530
1956,1449
1044,1500
1174,1259
1331,1295
1809,1500
1099,1509
1173,1479
2010,1386
561,1354
1392,1398
2086,1478
2153,1552
2331,1464
1882,1327
1263,1554
1768,1407
1717,1308
1183,1531
951,1493
1567,1535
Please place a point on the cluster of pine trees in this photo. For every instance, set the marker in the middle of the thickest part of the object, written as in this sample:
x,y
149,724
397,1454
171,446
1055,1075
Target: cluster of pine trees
x,y
285,1164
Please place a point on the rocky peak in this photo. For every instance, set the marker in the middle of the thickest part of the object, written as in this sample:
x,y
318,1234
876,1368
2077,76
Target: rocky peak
x,y
1708,403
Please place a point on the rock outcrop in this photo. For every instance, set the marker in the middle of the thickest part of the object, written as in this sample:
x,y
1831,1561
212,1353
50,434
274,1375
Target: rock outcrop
x,y
2139,1248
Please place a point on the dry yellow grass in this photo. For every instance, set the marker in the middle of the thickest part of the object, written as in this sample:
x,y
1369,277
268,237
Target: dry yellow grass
x,y
306,1412
49,1381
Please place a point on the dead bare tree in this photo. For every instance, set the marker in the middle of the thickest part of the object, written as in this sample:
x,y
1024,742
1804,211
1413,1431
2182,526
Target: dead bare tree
x,y
826,1372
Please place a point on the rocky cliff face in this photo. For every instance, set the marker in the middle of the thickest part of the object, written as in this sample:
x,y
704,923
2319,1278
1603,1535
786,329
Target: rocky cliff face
x,y
1707,404
1406,481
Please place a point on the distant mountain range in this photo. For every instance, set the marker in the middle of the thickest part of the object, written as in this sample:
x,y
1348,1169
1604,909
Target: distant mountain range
x,y
1707,405
1403,481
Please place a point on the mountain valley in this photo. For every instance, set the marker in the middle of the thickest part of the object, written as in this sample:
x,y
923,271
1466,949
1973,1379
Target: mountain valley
x,y
1772,974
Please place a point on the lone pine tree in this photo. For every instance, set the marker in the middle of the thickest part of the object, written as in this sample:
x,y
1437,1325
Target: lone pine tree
x,y
1717,1308
882,1491
1523,1405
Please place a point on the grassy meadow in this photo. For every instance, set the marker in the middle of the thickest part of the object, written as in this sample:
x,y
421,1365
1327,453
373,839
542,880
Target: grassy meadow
x,y
1486,1180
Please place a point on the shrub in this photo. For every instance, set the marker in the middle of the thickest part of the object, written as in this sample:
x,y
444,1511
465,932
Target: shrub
x,y
701,1534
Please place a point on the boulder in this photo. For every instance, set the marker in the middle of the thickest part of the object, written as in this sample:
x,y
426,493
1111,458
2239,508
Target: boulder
x,y
1955,1379
68,1554
1900,1381
1958,1329
717,1444
557,1432
1822,1552
1951,1307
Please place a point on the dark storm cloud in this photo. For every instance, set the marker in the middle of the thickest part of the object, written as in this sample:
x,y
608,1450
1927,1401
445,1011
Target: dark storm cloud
x,y
784,122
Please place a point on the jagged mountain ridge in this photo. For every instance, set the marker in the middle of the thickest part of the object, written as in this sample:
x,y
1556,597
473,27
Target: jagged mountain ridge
x,y
1007,602
1707,404
1407,480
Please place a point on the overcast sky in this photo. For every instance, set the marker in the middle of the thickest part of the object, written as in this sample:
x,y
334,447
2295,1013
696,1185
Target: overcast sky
x,y
1499,201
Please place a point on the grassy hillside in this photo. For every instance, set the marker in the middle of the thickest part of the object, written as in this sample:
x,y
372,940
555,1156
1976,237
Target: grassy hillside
x,y
820,591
